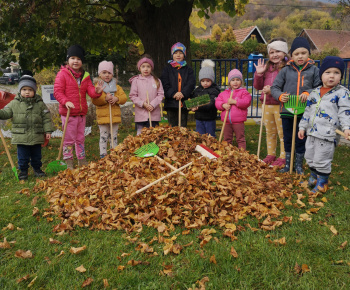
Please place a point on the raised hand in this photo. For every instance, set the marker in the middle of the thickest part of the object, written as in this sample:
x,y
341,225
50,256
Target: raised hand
x,y
99,87
261,67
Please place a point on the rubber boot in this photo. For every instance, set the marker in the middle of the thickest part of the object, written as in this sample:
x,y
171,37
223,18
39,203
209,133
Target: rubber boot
x,y
82,162
286,167
70,163
313,179
321,184
299,158
39,173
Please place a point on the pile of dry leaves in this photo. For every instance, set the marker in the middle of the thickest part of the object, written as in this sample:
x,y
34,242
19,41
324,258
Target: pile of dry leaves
x,y
211,192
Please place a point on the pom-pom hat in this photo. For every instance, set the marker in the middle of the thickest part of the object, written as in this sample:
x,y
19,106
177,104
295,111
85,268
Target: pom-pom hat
x,y
27,81
207,70
332,61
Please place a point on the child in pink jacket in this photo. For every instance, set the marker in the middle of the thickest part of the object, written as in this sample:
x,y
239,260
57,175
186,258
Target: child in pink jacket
x,y
147,94
237,107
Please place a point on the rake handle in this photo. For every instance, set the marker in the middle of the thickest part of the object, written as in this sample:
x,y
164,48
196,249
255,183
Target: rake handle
x,y
6,149
293,144
149,112
261,125
225,119
168,164
64,134
342,134
110,124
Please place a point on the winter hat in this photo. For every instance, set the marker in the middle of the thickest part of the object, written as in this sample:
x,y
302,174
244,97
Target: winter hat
x,y
207,70
299,42
27,81
76,50
278,45
178,46
107,66
145,60
235,73
332,61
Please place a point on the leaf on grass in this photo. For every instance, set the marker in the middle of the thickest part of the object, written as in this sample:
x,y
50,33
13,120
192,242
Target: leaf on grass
x,y
343,245
56,242
187,245
32,282
120,268
105,283
22,279
304,217
77,250
35,211
24,191
167,271
10,227
281,241
324,199
233,252
87,282
47,260
345,188
205,241
305,268
134,262
202,282
125,255
5,244
333,230
300,203
297,269
186,232
60,254
34,200
81,269
24,254
206,232
212,259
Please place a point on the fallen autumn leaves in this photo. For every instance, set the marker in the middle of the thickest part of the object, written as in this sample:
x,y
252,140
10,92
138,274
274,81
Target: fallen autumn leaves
x,y
212,192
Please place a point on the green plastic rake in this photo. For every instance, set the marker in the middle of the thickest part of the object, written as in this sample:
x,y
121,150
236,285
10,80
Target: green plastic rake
x,y
148,150
294,105
197,102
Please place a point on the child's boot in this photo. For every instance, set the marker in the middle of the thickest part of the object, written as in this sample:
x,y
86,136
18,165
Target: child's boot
x,y
313,179
82,162
39,173
70,163
23,175
321,184
299,158
286,167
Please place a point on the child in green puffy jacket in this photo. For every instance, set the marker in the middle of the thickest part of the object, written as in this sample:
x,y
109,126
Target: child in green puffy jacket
x,y
31,124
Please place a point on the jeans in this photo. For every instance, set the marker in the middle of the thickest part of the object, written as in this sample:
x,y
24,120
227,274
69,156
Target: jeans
x,y
26,153
204,127
141,125
173,117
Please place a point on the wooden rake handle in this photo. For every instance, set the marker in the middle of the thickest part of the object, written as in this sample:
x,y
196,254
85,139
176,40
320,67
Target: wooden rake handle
x,y
261,125
6,149
342,134
149,113
111,125
225,119
168,164
64,134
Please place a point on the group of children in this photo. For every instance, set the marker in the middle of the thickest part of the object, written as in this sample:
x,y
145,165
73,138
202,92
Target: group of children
x,y
328,106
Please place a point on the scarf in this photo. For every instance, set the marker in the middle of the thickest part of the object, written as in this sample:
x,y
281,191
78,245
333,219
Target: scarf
x,y
110,87
177,64
76,75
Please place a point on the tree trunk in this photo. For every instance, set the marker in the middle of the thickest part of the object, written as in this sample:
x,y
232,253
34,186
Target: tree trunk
x,y
160,27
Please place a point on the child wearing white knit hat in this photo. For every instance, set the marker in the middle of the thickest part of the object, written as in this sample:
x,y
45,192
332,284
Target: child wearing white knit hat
x,y
206,115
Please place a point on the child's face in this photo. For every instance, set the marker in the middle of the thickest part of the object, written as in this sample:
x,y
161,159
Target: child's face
x,y
276,56
106,76
206,83
27,92
75,63
235,83
331,77
300,55
145,69
178,56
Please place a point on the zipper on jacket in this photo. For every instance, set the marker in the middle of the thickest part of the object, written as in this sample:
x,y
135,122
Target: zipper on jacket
x,y
82,78
302,81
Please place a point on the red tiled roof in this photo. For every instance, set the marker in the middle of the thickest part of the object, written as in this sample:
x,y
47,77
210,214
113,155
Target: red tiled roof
x,y
241,34
328,38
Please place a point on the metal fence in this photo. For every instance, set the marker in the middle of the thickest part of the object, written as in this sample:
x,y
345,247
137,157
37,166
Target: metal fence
x,y
246,66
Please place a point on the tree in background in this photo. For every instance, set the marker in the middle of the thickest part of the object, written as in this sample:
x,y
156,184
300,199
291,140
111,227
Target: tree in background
x,y
216,33
228,35
42,30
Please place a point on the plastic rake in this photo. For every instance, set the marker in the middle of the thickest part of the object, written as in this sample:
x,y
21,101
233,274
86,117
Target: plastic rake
x,y
197,102
148,150
294,105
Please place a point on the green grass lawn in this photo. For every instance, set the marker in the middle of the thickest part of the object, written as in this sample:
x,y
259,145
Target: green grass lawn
x,y
261,264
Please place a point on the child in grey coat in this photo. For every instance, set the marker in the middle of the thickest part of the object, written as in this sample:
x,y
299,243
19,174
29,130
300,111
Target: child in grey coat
x,y
328,108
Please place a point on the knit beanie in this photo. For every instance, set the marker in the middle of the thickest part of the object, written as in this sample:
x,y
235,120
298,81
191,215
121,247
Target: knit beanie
x,y
235,73
178,46
207,70
76,50
298,43
332,61
145,60
107,66
27,81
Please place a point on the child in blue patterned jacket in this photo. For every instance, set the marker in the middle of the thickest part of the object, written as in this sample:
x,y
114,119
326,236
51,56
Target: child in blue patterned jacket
x,y
327,109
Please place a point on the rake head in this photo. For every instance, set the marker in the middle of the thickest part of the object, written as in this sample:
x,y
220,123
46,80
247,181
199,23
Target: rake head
x,y
197,102
294,105
148,150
